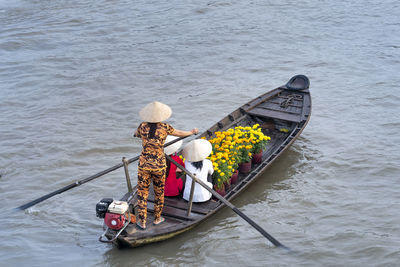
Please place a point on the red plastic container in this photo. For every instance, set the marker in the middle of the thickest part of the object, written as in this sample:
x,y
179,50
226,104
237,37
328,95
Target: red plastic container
x,y
245,167
220,191
234,177
257,158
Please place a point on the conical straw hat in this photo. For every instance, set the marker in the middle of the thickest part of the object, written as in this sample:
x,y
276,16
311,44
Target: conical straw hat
x,y
174,147
197,150
155,112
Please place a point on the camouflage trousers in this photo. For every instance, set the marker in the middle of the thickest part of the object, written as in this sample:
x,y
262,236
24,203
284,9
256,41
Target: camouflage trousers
x,y
144,179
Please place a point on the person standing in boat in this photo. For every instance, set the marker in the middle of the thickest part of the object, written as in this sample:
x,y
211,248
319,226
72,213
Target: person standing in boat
x,y
173,185
152,164
195,153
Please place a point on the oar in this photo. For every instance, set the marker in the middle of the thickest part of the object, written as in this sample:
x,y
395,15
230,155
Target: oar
x,y
230,205
80,182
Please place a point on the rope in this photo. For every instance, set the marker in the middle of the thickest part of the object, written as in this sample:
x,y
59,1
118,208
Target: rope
x,y
289,99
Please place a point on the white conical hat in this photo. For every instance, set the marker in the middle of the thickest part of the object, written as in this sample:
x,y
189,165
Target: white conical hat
x,y
174,147
197,150
155,112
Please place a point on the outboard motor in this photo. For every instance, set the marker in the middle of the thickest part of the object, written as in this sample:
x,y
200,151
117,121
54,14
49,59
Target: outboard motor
x,y
102,207
116,214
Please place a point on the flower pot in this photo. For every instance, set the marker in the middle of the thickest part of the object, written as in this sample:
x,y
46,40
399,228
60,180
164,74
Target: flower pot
x,y
227,185
220,191
245,167
257,158
234,177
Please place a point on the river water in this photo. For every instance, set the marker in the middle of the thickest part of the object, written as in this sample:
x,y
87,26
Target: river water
x,y
74,75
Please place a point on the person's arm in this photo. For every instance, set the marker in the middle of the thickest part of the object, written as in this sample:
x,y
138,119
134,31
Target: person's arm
x,y
181,133
137,132
180,161
211,169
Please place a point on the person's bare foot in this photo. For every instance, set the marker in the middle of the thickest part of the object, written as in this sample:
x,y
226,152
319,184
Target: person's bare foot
x,y
158,221
141,225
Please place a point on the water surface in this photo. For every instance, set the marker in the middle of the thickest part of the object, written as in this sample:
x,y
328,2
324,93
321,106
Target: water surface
x,y
74,75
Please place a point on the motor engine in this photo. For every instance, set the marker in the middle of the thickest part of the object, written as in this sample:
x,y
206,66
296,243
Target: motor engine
x,y
115,213
102,207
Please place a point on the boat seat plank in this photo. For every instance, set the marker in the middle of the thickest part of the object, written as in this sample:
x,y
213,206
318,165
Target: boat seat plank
x,y
183,204
290,105
170,225
175,212
267,113
180,203
277,107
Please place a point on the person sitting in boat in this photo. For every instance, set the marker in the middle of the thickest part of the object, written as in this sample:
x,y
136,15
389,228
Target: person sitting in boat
x,y
195,153
152,164
173,185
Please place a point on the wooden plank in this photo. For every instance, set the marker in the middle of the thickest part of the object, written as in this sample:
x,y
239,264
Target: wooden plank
x,y
307,106
290,105
175,212
275,114
170,225
257,101
202,208
181,204
277,107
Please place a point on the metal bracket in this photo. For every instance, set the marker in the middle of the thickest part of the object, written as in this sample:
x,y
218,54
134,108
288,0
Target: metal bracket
x,y
117,235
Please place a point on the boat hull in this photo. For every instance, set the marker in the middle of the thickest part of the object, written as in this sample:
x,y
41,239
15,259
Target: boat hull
x,y
282,114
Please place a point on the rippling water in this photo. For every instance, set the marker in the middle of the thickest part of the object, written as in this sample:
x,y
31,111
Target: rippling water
x,y
74,74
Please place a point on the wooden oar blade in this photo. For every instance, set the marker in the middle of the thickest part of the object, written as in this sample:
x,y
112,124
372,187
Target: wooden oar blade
x,y
38,200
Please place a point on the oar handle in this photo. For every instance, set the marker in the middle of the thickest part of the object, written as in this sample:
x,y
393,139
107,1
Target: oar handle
x,y
230,205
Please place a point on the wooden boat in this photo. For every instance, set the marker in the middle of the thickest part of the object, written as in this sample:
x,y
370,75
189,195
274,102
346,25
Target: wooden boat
x,y
282,113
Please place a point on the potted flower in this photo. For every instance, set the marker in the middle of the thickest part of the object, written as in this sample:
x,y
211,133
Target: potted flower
x,y
243,148
244,160
233,150
223,171
259,142
235,175
222,156
219,185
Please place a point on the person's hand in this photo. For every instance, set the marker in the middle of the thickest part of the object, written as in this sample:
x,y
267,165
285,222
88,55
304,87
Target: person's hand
x,y
195,131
